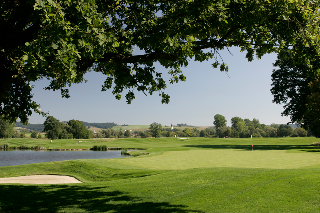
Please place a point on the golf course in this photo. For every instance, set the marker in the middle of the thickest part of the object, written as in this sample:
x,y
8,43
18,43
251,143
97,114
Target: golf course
x,y
173,175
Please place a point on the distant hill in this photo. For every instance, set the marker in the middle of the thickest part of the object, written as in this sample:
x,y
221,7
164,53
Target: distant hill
x,y
33,127
100,125
131,127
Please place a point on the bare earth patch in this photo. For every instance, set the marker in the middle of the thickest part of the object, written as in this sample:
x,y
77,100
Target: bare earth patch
x,y
40,179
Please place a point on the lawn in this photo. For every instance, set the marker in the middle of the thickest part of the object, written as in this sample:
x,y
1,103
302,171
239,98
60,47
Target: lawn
x,y
196,175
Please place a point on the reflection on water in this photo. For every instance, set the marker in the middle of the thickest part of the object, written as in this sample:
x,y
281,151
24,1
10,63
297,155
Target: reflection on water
x,y
18,157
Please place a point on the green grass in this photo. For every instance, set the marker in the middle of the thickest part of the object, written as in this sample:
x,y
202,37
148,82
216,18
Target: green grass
x,y
196,175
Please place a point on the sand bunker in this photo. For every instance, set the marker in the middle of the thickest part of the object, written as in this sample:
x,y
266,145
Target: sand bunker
x,y
40,179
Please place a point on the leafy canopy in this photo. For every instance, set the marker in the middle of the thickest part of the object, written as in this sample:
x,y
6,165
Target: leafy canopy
x,y
62,40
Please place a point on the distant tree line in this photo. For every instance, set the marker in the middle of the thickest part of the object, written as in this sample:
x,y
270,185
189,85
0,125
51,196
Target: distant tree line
x,y
113,133
32,127
240,128
244,128
100,125
40,127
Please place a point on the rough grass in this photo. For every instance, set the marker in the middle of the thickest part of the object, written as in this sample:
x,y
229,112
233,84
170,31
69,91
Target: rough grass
x,y
196,175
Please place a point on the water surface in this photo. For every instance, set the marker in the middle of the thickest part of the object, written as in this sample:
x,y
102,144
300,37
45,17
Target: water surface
x,y
19,157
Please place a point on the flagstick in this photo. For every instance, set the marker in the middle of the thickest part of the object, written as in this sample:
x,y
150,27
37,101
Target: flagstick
x,y
251,143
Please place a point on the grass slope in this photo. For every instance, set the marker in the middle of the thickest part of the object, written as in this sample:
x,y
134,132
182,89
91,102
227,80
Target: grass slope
x,y
196,175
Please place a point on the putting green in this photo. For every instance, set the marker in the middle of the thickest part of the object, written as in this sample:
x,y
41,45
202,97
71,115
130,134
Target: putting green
x,y
272,159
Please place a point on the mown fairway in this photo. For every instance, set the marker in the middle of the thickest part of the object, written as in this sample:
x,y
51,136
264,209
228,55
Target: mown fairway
x,y
196,175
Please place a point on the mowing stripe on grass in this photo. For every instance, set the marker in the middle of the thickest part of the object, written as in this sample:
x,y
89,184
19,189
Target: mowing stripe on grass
x,y
272,159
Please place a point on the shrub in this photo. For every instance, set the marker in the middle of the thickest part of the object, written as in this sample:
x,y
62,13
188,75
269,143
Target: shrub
x,y
124,152
100,148
34,134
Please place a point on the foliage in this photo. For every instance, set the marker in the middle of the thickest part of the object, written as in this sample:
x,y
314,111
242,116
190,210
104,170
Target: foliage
x,y
52,127
127,134
203,133
34,134
100,148
100,125
311,117
155,129
224,131
296,86
16,134
6,128
112,133
78,130
300,132
285,130
238,128
62,40
143,134
219,121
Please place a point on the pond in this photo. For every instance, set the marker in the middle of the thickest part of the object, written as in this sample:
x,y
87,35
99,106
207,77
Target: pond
x,y
18,157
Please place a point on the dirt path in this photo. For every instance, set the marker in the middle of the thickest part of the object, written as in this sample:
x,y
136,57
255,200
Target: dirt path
x,y
40,179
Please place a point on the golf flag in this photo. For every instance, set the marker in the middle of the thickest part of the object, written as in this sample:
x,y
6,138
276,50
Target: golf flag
x,y
171,127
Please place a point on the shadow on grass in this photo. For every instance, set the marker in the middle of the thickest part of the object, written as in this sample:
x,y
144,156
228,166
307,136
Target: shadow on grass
x,y
76,198
258,147
315,150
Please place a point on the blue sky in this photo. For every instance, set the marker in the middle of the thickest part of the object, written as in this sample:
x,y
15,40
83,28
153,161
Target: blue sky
x,y
243,92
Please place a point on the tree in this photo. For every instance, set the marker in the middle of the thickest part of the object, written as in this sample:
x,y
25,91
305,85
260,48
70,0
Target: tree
x,y
62,40
78,130
22,135
52,127
285,130
210,131
127,134
223,131
203,133
311,117
6,128
270,131
273,125
106,133
295,84
119,134
143,134
155,129
238,127
300,132
219,121
34,134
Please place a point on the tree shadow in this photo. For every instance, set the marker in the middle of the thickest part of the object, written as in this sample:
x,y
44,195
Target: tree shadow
x,y
79,198
257,147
